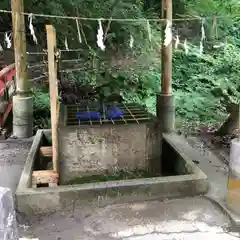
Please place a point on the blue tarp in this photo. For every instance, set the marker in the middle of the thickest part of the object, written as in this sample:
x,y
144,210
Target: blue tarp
x,y
85,116
112,113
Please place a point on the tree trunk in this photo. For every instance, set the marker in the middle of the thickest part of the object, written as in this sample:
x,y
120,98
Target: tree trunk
x,y
232,122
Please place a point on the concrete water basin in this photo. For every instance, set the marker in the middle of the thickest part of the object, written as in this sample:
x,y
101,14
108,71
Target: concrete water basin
x,y
180,177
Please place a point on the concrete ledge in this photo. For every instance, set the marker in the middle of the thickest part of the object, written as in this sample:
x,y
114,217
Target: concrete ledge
x,y
46,200
213,195
234,217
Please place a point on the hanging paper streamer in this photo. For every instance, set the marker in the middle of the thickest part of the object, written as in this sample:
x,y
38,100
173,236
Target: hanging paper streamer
x,y
66,44
177,41
31,28
8,39
168,34
149,31
201,48
219,45
203,37
186,46
225,45
100,35
131,41
203,31
214,27
79,33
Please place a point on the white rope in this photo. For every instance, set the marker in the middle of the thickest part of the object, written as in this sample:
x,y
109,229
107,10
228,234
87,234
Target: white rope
x,y
100,35
112,19
31,28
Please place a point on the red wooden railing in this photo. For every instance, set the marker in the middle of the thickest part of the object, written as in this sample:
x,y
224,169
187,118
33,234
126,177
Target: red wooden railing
x,y
6,74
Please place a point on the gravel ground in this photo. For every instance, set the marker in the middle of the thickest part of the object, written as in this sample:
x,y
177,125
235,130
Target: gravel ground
x,y
13,154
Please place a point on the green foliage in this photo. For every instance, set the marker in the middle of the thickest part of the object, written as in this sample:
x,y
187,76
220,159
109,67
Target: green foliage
x,y
203,85
41,106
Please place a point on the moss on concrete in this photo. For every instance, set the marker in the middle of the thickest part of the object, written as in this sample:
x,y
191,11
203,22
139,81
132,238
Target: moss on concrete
x,y
121,175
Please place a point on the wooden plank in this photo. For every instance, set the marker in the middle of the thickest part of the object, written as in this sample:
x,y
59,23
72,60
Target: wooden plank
x,y
46,151
49,177
44,172
53,87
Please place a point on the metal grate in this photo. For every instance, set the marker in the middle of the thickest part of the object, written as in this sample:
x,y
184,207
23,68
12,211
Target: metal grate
x,y
133,113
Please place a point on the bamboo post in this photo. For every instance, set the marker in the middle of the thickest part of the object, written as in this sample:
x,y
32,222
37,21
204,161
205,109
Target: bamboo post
x,y
165,102
22,101
166,87
53,87
19,46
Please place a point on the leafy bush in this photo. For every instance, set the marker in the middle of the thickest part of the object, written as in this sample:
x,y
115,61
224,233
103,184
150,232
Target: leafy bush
x,y
41,107
203,85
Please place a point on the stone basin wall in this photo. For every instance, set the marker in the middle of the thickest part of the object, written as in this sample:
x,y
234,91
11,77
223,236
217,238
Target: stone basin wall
x,y
97,149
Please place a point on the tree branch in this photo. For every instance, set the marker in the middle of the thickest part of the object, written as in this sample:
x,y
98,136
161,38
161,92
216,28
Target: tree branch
x,y
110,21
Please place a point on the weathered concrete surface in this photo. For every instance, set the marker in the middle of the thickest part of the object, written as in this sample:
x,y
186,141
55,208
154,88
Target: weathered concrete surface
x,y
95,149
171,219
217,173
190,218
45,200
215,169
8,222
13,154
22,116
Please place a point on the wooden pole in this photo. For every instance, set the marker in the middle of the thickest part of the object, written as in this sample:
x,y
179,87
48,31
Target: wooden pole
x,y
53,87
19,39
165,101
22,101
166,86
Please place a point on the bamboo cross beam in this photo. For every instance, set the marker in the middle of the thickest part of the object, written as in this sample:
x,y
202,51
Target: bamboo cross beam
x,y
53,87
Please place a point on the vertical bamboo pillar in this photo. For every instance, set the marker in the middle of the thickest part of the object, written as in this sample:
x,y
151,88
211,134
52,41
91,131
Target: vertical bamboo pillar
x,y
165,102
53,87
22,101
166,87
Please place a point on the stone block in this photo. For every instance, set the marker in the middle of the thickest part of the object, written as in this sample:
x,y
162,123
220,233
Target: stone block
x,y
8,222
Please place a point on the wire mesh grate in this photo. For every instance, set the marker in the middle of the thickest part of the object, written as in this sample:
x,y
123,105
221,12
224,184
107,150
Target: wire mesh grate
x,y
132,113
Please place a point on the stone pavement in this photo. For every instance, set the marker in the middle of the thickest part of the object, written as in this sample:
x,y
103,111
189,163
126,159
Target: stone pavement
x,y
214,168
190,218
